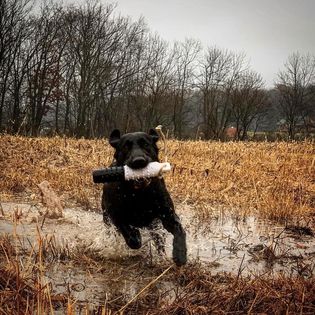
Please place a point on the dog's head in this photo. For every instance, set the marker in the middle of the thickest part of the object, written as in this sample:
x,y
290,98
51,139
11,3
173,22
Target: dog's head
x,y
135,149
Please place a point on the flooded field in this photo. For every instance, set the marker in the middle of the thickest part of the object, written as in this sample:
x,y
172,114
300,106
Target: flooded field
x,y
88,260
247,208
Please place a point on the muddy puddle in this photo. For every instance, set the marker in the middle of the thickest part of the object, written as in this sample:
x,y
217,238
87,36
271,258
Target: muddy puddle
x,y
223,242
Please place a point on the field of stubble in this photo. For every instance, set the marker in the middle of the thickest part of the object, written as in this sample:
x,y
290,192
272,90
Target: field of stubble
x,y
269,181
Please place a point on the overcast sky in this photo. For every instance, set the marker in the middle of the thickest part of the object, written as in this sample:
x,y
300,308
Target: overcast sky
x,y
266,30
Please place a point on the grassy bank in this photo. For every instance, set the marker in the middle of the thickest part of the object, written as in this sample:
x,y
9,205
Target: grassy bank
x,y
275,180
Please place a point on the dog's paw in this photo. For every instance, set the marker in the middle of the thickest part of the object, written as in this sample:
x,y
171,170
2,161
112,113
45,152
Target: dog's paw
x,y
134,244
180,249
134,240
180,256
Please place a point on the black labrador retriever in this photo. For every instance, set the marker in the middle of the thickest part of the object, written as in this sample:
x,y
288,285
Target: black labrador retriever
x,y
135,204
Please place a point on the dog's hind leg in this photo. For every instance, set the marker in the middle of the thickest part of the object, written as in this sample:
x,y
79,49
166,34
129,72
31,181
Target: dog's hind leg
x,y
158,236
106,218
172,224
131,235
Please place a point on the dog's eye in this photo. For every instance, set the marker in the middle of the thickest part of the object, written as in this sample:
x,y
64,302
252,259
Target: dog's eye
x,y
125,149
127,146
143,143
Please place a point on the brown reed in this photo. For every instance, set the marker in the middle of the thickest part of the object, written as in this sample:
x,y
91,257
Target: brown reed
x,y
274,180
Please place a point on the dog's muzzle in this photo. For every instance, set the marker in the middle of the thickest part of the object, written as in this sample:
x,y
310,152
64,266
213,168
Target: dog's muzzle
x,y
138,162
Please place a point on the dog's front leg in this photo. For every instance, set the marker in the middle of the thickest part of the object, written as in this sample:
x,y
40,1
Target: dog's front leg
x,y
131,235
172,224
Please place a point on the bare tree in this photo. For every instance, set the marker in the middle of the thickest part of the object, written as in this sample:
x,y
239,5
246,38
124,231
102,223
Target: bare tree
x,y
248,101
82,70
87,30
295,86
105,54
220,70
43,74
127,64
158,83
185,58
13,31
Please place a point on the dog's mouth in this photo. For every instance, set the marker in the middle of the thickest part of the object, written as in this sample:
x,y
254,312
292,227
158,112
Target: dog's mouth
x,y
138,163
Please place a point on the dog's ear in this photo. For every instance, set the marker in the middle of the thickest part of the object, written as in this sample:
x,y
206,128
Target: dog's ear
x,y
114,138
154,135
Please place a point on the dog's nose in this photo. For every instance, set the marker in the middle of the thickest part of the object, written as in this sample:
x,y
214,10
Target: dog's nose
x,y
138,162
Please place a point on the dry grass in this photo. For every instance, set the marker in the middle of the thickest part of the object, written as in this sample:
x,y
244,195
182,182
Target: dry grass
x,y
23,289
274,179
190,290
199,292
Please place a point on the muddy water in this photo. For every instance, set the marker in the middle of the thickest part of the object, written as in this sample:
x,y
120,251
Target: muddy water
x,y
223,242
228,243
250,246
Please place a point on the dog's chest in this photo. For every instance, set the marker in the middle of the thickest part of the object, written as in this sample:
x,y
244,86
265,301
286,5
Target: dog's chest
x,y
141,200
138,207
141,207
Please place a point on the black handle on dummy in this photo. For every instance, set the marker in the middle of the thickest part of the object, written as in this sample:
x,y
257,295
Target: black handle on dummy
x,y
110,174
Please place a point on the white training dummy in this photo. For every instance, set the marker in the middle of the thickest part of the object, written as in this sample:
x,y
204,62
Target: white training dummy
x,y
121,173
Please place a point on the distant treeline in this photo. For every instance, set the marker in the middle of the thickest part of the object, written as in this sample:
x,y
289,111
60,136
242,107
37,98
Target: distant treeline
x,y
84,70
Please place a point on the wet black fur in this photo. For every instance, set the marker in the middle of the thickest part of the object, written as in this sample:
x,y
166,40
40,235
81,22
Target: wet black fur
x,y
131,205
